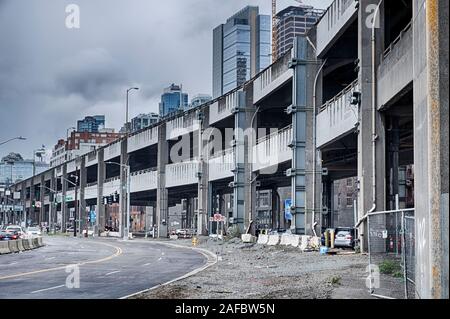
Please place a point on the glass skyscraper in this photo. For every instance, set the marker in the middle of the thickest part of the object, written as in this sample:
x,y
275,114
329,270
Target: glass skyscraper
x,y
11,172
91,124
172,100
241,49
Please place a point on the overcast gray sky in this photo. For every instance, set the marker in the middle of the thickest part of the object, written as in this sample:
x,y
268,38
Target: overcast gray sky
x,y
51,76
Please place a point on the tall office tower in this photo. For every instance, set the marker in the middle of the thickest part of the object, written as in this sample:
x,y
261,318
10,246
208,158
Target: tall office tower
x,y
143,120
173,99
292,22
241,49
91,124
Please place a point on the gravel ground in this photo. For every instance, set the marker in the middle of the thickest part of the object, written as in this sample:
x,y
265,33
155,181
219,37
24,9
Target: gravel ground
x,y
246,271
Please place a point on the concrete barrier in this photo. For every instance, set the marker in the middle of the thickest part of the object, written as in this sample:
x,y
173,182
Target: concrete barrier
x,y
294,240
26,244
304,242
20,245
248,238
273,240
4,248
285,240
263,239
13,246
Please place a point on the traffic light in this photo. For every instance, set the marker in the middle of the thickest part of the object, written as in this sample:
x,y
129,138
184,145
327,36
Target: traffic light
x,y
116,197
33,204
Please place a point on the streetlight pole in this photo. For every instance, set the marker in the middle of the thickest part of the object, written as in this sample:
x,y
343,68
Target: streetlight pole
x,y
126,232
126,116
12,139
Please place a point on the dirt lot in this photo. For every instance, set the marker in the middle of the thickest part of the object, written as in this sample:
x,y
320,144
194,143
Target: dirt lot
x,y
246,271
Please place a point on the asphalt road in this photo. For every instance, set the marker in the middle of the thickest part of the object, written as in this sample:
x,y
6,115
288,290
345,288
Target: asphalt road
x,y
108,268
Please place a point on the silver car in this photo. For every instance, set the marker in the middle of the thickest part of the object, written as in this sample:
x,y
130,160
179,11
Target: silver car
x,y
344,239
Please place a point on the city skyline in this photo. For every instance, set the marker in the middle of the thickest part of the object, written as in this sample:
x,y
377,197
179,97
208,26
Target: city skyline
x,y
87,70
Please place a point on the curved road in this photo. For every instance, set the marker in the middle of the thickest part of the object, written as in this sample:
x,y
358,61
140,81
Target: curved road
x,y
107,268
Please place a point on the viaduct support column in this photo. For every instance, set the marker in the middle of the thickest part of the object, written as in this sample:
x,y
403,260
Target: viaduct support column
x,y
64,208
82,203
101,211
53,204
240,161
123,187
42,199
431,147
203,183
371,183
298,110
162,206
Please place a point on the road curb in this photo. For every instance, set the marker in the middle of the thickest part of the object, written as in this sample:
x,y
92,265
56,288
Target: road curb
x,y
211,260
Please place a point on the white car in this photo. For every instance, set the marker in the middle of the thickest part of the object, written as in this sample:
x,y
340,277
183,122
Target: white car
x,y
34,231
14,228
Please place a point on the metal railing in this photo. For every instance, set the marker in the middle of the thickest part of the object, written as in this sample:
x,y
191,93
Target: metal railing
x,y
396,40
391,247
345,94
144,171
273,148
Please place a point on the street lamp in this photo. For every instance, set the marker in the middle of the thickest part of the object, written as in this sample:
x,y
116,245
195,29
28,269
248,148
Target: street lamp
x,y
126,233
126,118
12,139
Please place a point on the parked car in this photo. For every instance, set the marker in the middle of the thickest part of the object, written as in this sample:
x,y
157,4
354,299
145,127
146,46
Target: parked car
x,y
9,235
15,228
344,238
4,235
34,231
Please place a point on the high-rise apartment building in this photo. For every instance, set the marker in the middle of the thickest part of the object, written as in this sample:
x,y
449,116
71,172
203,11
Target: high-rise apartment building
x,y
292,22
241,49
91,124
173,99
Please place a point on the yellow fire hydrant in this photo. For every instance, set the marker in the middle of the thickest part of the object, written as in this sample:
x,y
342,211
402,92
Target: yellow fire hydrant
x,y
194,241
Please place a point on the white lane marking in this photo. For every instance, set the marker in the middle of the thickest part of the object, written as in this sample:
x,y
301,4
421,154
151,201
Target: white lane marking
x,y
210,257
112,272
159,258
51,288
163,253
50,258
147,264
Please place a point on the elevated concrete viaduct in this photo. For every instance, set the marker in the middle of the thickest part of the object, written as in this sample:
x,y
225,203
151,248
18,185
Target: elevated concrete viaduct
x,y
364,97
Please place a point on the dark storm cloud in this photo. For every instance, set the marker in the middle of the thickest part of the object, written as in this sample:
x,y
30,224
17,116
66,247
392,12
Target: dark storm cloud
x,y
93,74
51,76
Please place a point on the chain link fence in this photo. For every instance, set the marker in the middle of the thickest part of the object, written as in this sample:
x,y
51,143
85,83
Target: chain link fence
x,y
391,243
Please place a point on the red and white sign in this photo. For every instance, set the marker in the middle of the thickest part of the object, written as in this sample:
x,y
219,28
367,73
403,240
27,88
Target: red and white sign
x,y
38,204
219,218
